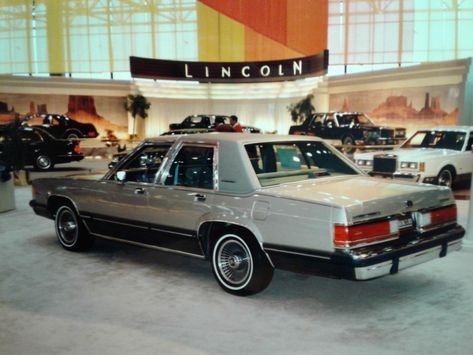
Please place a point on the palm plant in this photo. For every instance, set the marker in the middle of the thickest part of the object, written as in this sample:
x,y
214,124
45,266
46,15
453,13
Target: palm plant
x,y
137,105
302,109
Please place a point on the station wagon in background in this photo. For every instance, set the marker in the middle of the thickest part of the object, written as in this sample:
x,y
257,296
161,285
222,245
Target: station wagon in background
x,y
252,203
440,156
348,128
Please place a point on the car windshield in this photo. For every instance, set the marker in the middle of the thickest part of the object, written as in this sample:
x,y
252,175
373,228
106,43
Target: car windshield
x,y
354,119
436,139
283,162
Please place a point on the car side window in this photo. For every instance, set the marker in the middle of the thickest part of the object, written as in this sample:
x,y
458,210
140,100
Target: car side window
x,y
316,122
469,143
31,136
330,122
192,167
145,165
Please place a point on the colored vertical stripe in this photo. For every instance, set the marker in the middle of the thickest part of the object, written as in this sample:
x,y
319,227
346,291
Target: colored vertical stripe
x,y
307,25
220,38
54,25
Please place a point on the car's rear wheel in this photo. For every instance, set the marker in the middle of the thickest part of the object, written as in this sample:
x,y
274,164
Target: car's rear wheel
x,y
70,230
239,265
446,177
43,162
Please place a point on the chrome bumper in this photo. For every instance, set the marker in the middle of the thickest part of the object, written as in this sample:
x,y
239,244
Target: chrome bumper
x,y
403,262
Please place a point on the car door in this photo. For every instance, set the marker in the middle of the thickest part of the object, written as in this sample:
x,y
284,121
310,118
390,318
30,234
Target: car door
x,y
184,195
117,207
464,161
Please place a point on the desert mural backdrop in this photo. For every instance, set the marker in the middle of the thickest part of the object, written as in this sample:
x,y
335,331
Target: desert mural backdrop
x,y
105,113
413,108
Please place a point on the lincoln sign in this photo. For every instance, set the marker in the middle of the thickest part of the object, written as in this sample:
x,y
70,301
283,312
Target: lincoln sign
x,y
274,70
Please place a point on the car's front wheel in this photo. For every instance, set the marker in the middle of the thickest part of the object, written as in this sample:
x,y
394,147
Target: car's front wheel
x,y
70,230
239,265
445,177
43,162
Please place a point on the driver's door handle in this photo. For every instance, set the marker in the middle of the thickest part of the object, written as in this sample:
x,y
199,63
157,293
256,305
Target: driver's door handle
x,y
139,191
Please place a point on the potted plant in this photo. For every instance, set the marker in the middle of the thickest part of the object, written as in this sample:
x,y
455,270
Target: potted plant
x,y
136,105
302,109
11,163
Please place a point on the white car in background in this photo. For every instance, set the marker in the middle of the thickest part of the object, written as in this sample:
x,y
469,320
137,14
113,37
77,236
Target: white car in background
x,y
441,155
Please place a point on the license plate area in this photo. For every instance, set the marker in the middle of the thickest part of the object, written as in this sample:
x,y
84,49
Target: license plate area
x,y
406,223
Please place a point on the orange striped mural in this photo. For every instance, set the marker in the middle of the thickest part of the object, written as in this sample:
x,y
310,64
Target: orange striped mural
x,y
255,30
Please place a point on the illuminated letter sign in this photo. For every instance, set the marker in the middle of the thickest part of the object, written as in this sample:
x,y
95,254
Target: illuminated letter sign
x,y
274,70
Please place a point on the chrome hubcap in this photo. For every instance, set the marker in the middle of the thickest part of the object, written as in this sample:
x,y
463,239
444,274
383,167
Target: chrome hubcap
x,y
445,178
67,227
43,162
234,262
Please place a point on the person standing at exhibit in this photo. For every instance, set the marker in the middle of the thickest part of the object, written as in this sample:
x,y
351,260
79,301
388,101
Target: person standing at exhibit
x,y
234,122
221,126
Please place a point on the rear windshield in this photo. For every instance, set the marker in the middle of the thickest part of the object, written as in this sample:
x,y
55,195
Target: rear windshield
x,y
436,139
283,162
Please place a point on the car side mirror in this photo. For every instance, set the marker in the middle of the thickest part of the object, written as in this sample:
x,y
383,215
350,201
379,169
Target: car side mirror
x,y
121,175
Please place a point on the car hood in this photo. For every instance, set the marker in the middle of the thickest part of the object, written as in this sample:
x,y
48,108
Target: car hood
x,y
411,154
365,197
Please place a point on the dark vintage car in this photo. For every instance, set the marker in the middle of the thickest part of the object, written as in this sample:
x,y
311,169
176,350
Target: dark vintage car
x,y
349,128
42,150
250,203
62,126
206,122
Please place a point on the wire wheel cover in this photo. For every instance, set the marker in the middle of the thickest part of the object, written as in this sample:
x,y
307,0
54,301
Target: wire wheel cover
x,y
234,262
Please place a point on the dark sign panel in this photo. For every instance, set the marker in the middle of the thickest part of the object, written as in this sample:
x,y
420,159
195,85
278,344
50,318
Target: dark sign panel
x,y
274,70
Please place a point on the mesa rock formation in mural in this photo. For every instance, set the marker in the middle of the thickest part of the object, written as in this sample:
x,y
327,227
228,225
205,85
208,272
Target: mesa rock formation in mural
x,y
399,110
82,109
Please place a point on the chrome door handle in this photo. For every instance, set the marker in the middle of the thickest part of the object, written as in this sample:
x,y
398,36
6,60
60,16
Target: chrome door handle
x,y
139,191
200,197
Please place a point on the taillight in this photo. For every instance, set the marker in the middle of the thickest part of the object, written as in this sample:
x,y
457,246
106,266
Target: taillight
x,y
77,148
436,217
368,233
92,134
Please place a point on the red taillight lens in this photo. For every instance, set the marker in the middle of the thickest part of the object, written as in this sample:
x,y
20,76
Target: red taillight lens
x,y
444,215
92,134
436,217
349,236
77,149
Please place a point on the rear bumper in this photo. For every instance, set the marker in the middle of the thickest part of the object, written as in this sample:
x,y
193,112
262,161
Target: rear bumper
x,y
368,263
397,263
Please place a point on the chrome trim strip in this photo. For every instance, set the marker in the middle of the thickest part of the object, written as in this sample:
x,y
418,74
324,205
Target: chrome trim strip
x,y
178,233
430,228
121,223
148,246
369,244
138,226
296,253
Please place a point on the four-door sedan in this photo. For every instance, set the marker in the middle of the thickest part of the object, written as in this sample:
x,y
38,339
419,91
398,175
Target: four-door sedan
x,y
440,156
251,203
43,151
